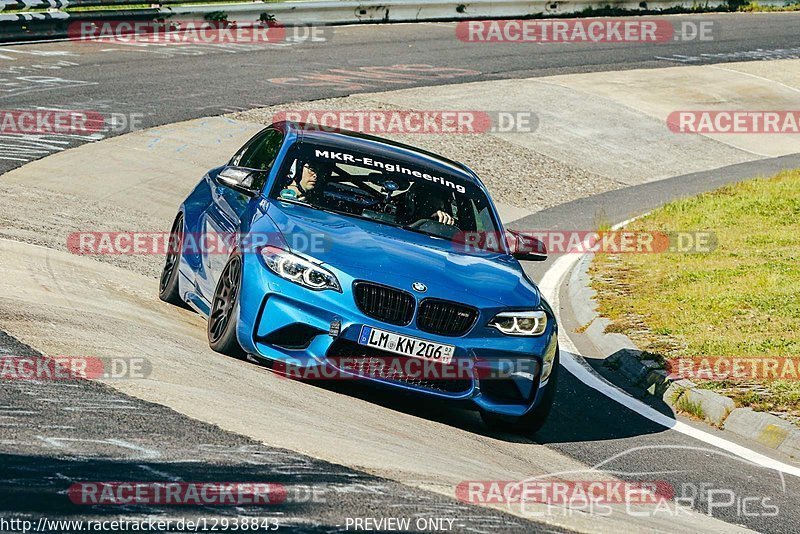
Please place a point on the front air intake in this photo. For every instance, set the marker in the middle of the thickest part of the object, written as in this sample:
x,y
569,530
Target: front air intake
x,y
445,318
384,303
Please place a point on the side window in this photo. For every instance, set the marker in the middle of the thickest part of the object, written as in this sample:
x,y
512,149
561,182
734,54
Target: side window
x,y
482,217
260,153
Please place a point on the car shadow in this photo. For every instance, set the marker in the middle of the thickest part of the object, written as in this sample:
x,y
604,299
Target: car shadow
x,y
580,413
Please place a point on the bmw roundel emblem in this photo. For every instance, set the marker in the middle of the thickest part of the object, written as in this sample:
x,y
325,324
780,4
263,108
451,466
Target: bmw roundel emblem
x,y
419,287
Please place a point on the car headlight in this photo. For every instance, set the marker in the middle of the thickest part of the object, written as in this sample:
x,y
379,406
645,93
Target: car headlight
x,y
520,323
299,270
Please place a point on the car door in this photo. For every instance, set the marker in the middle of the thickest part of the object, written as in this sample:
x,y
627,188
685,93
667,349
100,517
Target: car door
x,y
224,217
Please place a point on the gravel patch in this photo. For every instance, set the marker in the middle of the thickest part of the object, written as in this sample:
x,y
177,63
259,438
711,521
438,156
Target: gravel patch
x,y
514,175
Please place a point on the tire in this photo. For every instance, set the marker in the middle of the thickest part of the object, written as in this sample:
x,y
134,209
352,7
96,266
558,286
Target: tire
x,y
223,318
168,284
533,421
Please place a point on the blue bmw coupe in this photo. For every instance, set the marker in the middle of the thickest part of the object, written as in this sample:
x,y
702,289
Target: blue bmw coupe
x,y
333,254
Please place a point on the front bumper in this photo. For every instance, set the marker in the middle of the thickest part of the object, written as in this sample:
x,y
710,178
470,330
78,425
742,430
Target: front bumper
x,y
283,322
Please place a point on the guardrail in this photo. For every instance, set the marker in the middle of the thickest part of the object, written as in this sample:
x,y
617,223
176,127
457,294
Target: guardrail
x,y
349,12
26,5
47,19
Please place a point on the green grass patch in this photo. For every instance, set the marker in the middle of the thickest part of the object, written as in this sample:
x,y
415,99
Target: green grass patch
x,y
755,7
682,403
740,300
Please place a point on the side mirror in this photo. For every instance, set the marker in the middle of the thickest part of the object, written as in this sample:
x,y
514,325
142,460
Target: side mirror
x,y
525,247
245,181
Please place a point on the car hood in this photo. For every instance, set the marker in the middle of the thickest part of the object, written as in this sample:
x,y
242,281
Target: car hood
x,y
389,255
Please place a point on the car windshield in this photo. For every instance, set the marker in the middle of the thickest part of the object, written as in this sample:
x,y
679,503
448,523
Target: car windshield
x,y
384,191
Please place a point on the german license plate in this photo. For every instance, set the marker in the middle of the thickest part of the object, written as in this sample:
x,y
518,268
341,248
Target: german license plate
x,y
405,345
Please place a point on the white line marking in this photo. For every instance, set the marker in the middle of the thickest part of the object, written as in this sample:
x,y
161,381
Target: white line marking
x,y
551,281
61,443
163,474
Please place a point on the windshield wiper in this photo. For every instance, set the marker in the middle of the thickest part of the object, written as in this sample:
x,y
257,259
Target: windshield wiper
x,y
425,232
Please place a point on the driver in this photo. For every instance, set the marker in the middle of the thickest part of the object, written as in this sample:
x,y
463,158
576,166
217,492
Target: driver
x,y
431,204
304,183
443,217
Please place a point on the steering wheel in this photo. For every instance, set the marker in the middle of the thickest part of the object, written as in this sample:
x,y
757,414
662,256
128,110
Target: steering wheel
x,y
361,197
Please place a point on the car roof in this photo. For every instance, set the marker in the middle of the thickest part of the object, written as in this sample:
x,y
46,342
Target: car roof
x,y
376,146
